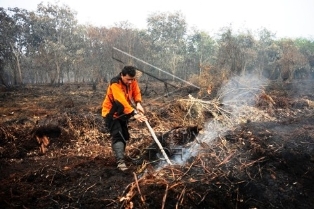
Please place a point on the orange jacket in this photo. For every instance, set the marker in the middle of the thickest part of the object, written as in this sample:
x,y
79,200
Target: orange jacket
x,y
118,91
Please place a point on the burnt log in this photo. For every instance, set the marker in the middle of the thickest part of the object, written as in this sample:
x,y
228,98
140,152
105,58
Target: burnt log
x,y
44,134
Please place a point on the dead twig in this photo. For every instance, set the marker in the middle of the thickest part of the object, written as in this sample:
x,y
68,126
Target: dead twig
x,y
128,197
226,159
186,171
111,201
126,188
204,166
180,198
164,197
207,191
251,163
138,189
177,184
88,189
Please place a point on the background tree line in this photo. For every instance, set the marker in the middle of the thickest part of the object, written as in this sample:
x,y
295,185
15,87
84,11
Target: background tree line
x,y
49,46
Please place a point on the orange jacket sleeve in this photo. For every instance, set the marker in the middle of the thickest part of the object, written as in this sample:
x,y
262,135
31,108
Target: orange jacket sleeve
x,y
119,95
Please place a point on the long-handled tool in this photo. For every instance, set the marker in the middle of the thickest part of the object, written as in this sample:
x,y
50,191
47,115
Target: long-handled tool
x,y
157,142
153,135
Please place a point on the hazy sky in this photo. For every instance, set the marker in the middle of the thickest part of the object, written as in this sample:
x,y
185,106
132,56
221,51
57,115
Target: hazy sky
x,y
286,18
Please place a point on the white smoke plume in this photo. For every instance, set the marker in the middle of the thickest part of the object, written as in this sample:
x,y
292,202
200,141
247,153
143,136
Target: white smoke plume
x,y
238,98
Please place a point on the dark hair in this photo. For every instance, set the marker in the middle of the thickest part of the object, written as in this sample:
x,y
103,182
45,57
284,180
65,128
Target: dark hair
x,y
129,70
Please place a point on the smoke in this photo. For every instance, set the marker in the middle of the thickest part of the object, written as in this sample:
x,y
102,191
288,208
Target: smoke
x,y
241,90
236,96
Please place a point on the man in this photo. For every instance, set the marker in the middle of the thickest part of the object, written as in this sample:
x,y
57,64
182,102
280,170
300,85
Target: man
x,y
122,101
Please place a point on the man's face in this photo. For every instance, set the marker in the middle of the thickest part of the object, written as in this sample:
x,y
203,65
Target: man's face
x,y
127,79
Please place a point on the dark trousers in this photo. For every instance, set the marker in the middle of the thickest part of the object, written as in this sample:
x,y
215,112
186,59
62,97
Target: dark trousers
x,y
119,131
118,128
119,135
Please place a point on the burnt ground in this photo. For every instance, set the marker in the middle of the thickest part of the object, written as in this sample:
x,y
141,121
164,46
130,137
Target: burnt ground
x,y
265,161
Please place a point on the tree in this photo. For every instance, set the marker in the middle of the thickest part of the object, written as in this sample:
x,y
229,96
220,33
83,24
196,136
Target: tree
x,y
167,32
306,47
291,59
52,31
12,42
237,53
229,53
5,25
266,54
201,50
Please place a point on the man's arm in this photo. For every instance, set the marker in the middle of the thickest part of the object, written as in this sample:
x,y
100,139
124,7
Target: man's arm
x,y
118,95
137,96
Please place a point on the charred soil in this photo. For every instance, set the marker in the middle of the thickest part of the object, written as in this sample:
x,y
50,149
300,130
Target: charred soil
x,y
54,154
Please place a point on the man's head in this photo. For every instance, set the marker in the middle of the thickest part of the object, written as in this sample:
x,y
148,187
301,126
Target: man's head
x,y
128,74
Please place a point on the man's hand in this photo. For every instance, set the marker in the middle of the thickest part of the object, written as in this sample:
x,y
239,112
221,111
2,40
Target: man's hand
x,y
140,117
140,108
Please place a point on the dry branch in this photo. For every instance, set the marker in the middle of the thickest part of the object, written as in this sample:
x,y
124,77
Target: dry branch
x,y
138,189
226,159
164,197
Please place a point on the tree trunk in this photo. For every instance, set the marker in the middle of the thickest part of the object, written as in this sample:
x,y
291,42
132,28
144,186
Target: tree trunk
x,y
57,78
18,75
